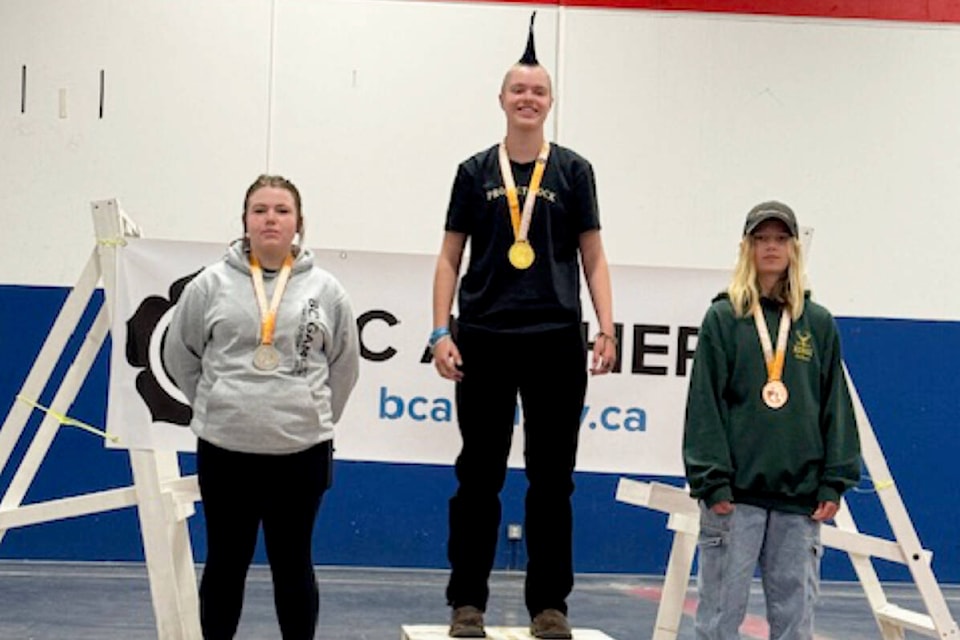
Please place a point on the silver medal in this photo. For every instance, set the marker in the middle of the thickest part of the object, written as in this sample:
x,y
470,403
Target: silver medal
x,y
266,357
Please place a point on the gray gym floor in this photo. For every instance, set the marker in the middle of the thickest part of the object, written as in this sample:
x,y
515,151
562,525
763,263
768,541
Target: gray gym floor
x,y
107,601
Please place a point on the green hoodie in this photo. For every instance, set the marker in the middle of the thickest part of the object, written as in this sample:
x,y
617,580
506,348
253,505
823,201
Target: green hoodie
x,y
735,447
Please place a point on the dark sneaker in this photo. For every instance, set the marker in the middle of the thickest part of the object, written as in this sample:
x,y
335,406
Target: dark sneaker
x,y
467,622
551,624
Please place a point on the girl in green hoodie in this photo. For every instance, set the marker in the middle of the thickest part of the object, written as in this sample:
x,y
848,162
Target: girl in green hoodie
x,y
770,438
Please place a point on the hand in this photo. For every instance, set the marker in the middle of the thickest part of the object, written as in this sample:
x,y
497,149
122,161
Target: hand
x,y
825,511
604,355
722,508
446,358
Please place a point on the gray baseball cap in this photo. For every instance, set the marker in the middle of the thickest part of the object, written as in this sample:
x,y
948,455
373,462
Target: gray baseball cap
x,y
771,210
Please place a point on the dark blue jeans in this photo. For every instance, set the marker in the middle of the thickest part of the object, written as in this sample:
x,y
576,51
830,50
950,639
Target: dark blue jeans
x,y
548,369
241,492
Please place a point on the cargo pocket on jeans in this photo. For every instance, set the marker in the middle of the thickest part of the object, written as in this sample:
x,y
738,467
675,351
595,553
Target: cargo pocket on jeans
x,y
712,547
714,528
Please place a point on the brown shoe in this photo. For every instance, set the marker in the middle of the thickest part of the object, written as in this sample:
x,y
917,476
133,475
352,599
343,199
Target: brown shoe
x,y
551,624
467,622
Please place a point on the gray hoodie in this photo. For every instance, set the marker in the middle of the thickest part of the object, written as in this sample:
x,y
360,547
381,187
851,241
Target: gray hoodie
x,y
209,350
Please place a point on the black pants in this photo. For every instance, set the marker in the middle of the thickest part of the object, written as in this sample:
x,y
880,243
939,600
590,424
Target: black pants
x,y
241,491
549,371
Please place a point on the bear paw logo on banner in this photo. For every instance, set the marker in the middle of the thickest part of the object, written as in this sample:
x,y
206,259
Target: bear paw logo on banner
x,y
146,331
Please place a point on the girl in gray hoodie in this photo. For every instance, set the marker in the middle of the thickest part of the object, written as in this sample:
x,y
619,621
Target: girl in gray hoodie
x,y
264,346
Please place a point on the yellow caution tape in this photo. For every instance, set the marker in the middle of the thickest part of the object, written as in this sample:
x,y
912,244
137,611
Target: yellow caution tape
x,y
113,242
883,484
67,420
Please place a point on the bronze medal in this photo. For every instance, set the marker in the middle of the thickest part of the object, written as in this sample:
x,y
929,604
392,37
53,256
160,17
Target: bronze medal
x,y
775,394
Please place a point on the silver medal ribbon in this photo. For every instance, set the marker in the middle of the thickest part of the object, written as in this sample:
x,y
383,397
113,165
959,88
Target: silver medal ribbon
x,y
266,356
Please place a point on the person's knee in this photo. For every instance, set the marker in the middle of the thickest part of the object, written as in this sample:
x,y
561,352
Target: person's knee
x,y
478,482
549,480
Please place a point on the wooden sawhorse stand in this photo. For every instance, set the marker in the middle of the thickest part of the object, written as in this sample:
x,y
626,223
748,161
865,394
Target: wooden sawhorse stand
x,y
164,500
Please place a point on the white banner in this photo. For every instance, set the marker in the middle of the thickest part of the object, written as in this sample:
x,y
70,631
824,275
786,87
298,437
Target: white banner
x,y
401,410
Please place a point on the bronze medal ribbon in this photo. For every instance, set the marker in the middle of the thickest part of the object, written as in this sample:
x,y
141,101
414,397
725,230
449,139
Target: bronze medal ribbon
x,y
773,360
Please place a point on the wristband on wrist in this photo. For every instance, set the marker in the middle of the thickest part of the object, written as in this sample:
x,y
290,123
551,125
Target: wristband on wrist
x,y
601,334
437,335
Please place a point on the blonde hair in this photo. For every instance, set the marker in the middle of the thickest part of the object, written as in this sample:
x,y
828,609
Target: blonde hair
x,y
745,293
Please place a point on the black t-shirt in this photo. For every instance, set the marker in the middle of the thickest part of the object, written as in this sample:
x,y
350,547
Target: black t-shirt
x,y
496,296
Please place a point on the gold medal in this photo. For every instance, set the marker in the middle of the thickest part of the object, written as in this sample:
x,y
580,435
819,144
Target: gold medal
x,y
266,357
775,394
521,254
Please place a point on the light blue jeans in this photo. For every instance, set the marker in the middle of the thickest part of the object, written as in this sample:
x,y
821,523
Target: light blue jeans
x,y
788,550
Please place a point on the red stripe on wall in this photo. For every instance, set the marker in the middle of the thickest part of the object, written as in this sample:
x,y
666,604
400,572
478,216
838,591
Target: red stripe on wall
x,y
902,10
908,10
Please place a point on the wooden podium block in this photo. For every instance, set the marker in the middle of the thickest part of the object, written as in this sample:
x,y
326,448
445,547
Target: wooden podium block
x,y
439,632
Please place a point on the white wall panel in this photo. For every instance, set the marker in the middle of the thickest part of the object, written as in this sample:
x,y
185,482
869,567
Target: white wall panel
x,y
376,102
691,119
368,105
184,126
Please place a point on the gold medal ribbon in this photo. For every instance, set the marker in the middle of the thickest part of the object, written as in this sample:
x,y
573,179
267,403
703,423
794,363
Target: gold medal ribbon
x,y
268,314
774,360
521,224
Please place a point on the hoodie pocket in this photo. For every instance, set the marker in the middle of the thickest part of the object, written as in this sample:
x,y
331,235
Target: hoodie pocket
x,y
284,404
